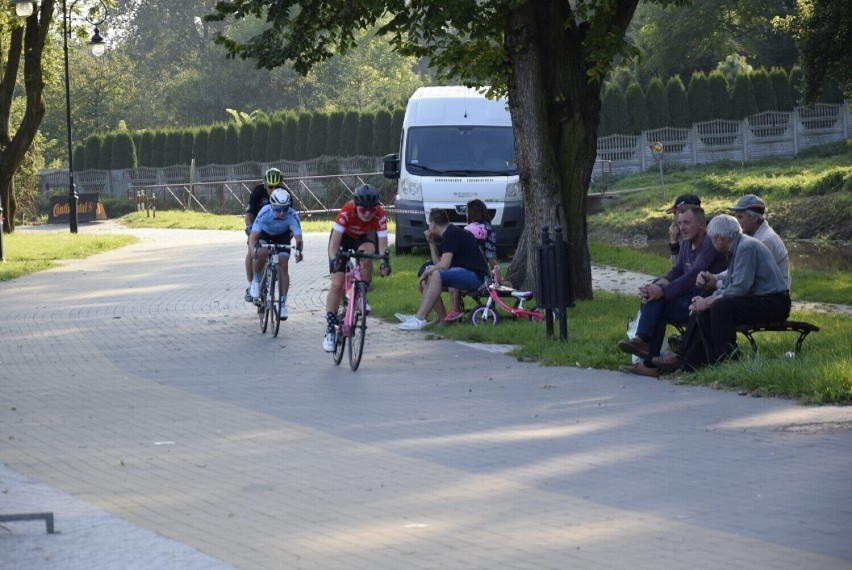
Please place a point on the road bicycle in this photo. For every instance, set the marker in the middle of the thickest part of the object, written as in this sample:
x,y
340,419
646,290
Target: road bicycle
x,y
269,301
352,314
486,314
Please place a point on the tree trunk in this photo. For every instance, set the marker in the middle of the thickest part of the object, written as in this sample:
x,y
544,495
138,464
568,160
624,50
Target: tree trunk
x,y
28,40
555,107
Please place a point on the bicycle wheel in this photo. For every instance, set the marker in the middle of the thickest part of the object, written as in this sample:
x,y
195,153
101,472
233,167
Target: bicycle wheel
x,y
262,311
358,332
274,301
484,315
339,340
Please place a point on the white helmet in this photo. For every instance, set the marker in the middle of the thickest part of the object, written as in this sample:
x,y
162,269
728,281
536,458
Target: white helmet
x,y
280,197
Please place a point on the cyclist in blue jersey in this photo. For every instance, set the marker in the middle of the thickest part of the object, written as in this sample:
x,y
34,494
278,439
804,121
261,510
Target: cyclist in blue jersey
x,y
259,198
278,223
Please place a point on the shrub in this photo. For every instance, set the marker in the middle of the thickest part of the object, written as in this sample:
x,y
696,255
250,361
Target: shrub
x,y
158,149
657,104
764,94
258,140
332,138
144,150
274,139
614,118
288,141
796,77
123,151
117,207
317,135
105,157
781,87
381,129
364,138
187,146
349,134
678,105
720,96
699,98
216,144
244,140
303,131
742,97
171,153
397,119
202,140
231,150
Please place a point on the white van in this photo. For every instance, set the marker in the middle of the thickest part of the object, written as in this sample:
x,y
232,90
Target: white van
x,y
456,145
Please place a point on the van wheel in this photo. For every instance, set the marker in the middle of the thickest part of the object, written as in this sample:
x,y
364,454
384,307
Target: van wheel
x,y
400,250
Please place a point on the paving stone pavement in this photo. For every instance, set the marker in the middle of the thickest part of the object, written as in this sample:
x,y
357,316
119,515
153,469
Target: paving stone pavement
x,y
140,397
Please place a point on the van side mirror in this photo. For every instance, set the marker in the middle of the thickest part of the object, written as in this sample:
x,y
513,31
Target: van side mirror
x,y
391,166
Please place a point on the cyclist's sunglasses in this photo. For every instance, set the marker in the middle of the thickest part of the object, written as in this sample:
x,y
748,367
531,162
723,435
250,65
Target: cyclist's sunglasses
x,y
365,211
279,209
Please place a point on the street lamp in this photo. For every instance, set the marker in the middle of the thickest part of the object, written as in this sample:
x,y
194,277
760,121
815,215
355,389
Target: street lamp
x,y
24,8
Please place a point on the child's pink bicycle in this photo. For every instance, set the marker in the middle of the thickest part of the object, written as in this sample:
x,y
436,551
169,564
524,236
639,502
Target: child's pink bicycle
x,y
486,314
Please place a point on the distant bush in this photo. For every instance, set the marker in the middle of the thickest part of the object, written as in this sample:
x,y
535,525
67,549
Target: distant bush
x,y
117,207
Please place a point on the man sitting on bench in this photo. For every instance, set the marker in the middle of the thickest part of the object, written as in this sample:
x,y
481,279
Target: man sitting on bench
x,y
754,291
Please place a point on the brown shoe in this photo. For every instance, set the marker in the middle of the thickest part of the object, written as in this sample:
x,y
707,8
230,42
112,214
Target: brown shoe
x,y
667,363
635,346
640,370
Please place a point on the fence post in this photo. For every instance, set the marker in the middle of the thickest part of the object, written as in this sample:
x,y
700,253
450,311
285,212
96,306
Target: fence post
x,y
562,282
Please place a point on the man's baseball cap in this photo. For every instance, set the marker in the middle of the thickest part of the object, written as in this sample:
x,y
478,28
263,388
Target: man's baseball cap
x,y
749,202
684,199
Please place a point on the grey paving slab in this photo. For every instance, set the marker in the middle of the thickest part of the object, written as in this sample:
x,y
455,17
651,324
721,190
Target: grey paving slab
x,y
137,383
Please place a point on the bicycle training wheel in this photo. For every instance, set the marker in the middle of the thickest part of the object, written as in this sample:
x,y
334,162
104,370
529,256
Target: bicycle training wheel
x,y
358,332
484,315
262,310
339,340
274,302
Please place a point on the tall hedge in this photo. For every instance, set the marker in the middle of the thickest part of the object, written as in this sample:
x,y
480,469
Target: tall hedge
x,y
123,151
679,115
91,153
743,102
781,87
720,95
796,78
202,141
381,129
614,118
288,143
105,158
303,131
397,119
657,104
216,144
637,112
79,156
158,149
171,155
258,140
700,101
317,135
273,139
332,138
764,94
187,146
144,151
364,138
245,138
349,134
231,150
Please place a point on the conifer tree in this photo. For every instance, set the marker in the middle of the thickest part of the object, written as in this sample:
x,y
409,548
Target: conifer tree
x,y
764,95
231,150
678,106
274,139
700,101
317,135
216,144
781,87
742,97
613,112
397,118
637,112
105,158
364,137
158,149
145,143
202,140
381,129
349,134
303,132
187,146
171,154
91,153
245,138
796,78
123,151
720,95
288,142
332,139
657,104
258,139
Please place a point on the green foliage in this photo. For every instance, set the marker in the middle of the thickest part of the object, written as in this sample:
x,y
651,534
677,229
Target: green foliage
x,y
332,139
123,151
700,99
614,120
145,151
216,144
171,153
117,207
381,132
764,94
231,150
364,137
743,103
187,146
830,93
288,142
657,104
158,149
349,134
733,66
202,141
678,106
105,157
274,139
796,79
244,141
303,132
317,135
397,119
79,157
781,87
720,96
258,140
637,112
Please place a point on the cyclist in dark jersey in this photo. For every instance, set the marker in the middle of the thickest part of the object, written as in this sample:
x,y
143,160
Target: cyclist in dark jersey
x,y
259,198
361,224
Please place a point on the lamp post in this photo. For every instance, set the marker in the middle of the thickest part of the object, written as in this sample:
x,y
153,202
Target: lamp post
x,y
24,9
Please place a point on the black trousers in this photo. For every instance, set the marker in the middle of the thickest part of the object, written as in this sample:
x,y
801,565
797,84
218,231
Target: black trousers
x,y
711,336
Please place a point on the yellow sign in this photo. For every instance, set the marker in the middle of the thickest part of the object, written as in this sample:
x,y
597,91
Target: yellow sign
x,y
657,148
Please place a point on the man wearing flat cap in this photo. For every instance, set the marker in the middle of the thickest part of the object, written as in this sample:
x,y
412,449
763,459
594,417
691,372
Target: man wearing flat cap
x,y
674,231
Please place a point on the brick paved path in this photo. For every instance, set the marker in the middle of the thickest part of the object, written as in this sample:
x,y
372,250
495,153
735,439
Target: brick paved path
x,y
138,381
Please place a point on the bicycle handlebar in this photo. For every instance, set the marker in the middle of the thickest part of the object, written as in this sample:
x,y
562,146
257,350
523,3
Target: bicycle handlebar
x,y
278,247
346,254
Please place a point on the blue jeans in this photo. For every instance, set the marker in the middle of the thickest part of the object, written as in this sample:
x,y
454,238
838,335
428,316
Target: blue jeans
x,y
460,278
655,315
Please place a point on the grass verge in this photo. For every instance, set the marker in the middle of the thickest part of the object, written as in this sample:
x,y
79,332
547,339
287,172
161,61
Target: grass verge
x,y
29,253
201,221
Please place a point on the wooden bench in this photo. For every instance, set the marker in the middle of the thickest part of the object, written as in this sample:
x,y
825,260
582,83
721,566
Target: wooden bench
x,y
804,329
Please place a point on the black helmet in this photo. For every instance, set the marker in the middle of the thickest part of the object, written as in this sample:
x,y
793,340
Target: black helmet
x,y
366,196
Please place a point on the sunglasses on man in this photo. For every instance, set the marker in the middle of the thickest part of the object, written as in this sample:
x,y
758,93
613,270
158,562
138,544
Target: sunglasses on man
x,y
279,209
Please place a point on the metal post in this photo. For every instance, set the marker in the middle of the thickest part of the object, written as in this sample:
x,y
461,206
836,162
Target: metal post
x,y
2,251
72,191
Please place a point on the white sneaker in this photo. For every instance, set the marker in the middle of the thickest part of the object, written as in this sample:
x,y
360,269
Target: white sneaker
x,y
413,324
403,317
254,290
283,312
328,342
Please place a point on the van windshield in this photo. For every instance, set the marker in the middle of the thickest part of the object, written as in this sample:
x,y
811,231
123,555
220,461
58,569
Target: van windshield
x,y
461,151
